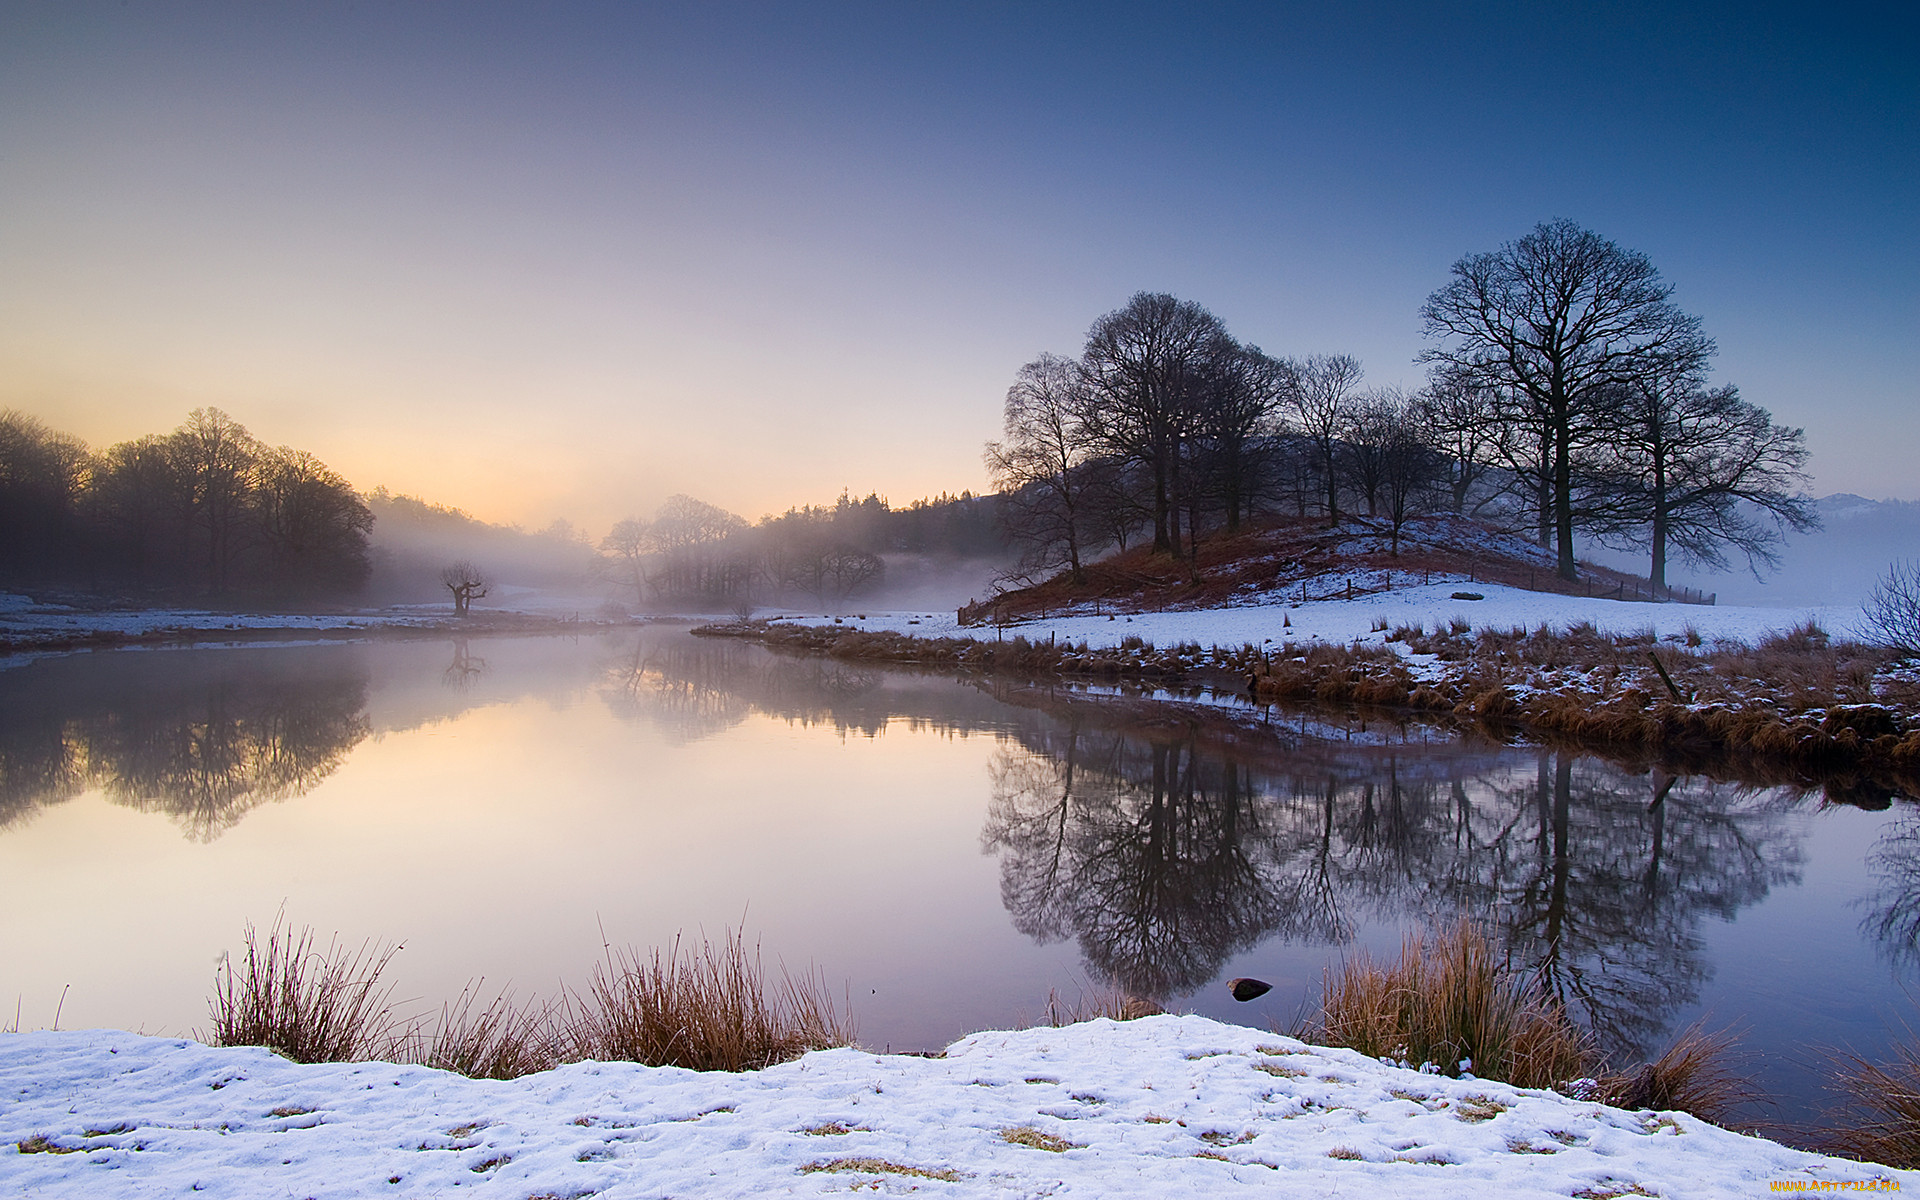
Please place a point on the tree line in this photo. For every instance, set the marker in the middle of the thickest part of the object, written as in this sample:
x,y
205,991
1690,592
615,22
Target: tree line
x,y
690,550
207,511
1565,393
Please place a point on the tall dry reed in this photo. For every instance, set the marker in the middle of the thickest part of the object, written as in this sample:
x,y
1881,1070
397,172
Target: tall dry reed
x,y
1448,1001
710,1011
1878,1116
309,1006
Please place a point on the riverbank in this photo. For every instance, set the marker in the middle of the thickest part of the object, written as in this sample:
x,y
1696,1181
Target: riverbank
x,y
1761,695
28,626
1162,1106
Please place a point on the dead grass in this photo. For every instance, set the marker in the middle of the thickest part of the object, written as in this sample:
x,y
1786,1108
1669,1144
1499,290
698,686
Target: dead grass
x,y
502,1040
1447,999
1114,1005
40,1143
1038,1139
709,1008
1695,1074
1877,1118
310,1007
881,1166
708,1011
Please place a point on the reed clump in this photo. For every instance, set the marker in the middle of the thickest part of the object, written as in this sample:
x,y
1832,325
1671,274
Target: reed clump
x,y
502,1039
1113,1004
309,1006
709,1011
707,1008
1447,1001
1694,1074
1878,1115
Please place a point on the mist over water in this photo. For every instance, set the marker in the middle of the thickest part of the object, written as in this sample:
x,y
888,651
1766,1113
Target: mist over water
x,y
947,849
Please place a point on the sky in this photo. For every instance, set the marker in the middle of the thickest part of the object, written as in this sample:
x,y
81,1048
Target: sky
x,y
564,260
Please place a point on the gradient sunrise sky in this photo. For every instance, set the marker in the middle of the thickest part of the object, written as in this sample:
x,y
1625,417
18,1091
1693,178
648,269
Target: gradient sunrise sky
x,y
563,260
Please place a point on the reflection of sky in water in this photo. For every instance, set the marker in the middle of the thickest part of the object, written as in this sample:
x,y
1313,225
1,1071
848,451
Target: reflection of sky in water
x,y
950,853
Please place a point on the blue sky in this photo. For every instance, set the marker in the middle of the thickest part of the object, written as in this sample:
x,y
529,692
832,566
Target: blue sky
x,y
565,260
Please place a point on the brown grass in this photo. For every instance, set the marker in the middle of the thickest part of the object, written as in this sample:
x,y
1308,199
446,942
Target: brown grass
x,y
502,1040
1114,1005
710,1011
1447,999
1695,1074
1038,1139
1878,1116
881,1166
310,1007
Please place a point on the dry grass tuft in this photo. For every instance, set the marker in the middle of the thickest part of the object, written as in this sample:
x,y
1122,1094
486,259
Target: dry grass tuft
x,y
503,1040
709,1012
308,1006
40,1143
1446,1000
1878,1117
1695,1074
880,1166
1113,1005
1038,1139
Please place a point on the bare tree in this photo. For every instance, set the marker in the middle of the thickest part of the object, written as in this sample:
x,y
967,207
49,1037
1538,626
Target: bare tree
x,y
1409,466
467,583
1040,467
1893,608
1146,366
1463,421
313,523
1705,472
1236,421
625,550
213,463
689,543
1563,317
1323,403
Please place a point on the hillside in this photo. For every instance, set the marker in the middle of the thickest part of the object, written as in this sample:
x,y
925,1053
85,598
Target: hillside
x,y
1301,560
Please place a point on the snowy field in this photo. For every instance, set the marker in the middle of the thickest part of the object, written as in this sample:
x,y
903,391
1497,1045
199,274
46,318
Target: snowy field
x,y
1340,620
1164,1107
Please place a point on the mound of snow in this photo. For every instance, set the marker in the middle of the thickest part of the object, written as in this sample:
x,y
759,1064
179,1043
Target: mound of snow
x,y
1167,1106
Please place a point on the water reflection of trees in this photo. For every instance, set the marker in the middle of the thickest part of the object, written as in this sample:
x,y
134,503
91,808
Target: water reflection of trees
x,y
1892,916
696,688
202,737
1163,853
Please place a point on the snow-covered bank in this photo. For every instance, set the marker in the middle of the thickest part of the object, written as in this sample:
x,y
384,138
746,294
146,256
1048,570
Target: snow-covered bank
x,y
1340,620
28,625
1167,1106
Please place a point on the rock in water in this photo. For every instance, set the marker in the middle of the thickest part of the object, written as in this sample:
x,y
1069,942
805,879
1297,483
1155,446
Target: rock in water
x,y
1248,989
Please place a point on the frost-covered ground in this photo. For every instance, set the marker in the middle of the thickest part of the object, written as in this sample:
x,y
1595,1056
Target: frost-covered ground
x,y
1341,620
1167,1106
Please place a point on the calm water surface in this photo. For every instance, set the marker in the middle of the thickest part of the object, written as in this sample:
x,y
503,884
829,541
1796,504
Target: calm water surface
x,y
947,851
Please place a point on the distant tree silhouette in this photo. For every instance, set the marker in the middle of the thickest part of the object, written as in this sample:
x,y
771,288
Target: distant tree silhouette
x,y
467,583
